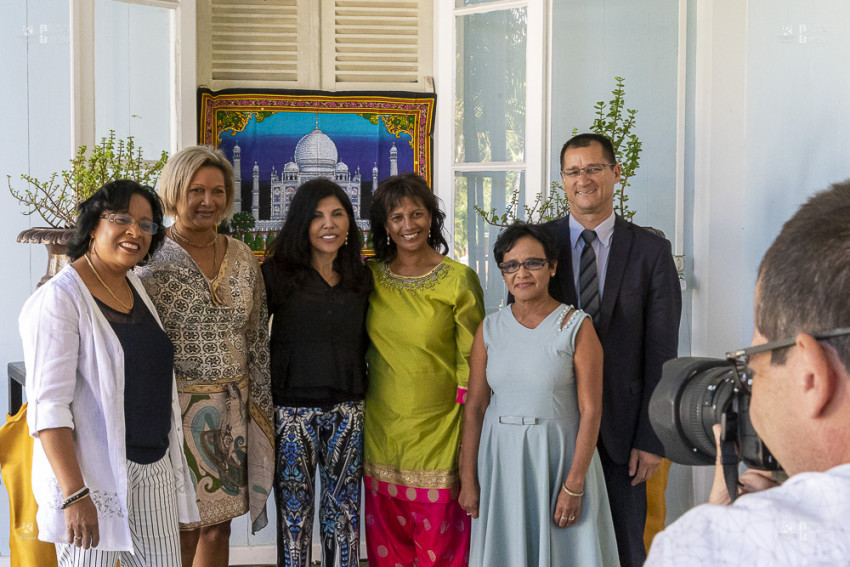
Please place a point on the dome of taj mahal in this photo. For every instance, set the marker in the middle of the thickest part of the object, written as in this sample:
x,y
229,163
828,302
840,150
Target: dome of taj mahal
x,y
316,151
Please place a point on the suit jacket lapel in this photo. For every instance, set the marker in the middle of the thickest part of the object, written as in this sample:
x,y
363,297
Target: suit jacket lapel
x,y
565,263
617,258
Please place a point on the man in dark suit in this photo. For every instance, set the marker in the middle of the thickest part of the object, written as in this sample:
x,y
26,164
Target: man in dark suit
x,y
636,305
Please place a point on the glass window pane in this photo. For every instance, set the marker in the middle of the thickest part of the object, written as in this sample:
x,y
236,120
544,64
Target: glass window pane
x,y
474,237
134,74
491,81
462,3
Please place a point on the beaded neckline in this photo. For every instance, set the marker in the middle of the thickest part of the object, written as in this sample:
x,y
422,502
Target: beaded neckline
x,y
412,283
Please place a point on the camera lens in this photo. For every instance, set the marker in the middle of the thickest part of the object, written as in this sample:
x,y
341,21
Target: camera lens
x,y
690,398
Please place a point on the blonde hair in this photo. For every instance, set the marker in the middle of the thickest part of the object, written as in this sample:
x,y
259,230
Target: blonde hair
x,y
182,167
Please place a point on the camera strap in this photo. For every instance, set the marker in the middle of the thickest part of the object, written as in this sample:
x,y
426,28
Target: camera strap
x,y
729,460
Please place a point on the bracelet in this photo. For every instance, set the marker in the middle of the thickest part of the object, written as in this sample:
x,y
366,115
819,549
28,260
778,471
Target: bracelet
x,y
570,492
78,495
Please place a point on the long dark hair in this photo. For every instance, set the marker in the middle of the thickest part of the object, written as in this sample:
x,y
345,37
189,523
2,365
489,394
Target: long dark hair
x,y
114,196
291,253
389,195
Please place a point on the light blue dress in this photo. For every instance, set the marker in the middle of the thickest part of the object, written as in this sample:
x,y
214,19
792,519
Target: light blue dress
x,y
527,444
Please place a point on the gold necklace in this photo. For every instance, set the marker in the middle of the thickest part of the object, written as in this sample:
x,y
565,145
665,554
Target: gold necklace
x,y
213,290
185,240
109,289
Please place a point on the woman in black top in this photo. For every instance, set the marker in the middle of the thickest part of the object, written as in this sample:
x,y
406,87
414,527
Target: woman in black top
x,y
318,291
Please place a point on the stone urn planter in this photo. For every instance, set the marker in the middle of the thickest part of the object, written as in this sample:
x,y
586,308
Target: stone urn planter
x,y
56,240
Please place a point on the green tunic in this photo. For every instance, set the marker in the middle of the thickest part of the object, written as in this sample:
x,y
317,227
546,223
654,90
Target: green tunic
x,y
421,330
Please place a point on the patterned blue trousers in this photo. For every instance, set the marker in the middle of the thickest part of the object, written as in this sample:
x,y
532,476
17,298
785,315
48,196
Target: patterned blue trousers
x,y
333,439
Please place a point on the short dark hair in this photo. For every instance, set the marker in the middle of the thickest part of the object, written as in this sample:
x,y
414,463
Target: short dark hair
x,y
291,251
506,240
389,195
804,278
114,196
584,140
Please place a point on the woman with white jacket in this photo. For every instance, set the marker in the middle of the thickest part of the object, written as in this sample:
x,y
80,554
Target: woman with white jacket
x,y
109,473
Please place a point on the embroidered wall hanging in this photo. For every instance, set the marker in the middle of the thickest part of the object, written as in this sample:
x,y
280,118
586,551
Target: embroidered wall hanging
x,y
278,139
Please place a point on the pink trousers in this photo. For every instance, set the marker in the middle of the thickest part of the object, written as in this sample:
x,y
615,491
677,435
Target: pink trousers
x,y
401,533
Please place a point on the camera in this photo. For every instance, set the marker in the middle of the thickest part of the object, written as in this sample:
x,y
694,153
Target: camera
x,y
693,395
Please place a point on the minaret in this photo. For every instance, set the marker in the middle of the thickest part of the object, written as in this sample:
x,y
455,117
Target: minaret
x,y
237,178
255,195
374,178
393,161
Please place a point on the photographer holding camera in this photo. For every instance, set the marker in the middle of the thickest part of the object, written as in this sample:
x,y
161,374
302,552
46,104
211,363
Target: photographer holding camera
x,y
797,376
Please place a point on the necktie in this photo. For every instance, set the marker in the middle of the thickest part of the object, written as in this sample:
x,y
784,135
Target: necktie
x,y
588,280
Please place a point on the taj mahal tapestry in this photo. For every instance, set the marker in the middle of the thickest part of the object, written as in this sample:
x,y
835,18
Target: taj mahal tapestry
x,y
278,139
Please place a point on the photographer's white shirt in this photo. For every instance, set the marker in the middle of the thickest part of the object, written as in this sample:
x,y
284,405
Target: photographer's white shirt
x,y
806,521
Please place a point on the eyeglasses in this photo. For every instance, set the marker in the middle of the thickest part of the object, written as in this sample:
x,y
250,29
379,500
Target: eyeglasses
x,y
590,170
122,219
740,359
513,266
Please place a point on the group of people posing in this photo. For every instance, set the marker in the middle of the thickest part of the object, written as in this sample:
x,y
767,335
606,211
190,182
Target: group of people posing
x,y
162,406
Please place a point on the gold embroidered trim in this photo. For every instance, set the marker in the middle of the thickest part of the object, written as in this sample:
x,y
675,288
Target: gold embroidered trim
x,y
188,387
415,283
418,479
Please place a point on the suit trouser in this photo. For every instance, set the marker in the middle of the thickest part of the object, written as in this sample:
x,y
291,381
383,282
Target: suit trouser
x,y
628,508
152,514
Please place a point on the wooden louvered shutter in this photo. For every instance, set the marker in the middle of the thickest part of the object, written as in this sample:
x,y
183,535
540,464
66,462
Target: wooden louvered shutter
x,y
316,44
257,43
377,43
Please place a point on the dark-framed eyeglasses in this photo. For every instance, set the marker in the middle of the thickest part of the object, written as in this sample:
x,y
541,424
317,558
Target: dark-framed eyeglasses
x,y
740,359
125,220
590,170
532,264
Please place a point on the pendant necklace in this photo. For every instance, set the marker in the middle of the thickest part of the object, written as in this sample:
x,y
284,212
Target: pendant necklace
x,y
109,289
185,240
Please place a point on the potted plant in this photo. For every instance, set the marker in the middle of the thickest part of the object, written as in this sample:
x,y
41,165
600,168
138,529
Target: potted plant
x,y
56,199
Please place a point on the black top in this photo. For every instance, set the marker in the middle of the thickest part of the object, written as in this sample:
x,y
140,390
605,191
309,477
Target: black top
x,y
148,377
318,341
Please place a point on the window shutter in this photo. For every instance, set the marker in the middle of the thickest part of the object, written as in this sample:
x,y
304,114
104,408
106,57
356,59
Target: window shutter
x,y
377,43
315,44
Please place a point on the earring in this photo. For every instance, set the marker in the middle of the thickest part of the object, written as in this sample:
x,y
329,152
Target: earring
x,y
389,241
346,240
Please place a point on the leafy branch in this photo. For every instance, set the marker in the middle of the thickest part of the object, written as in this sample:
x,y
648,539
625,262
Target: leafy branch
x,y
612,119
542,210
56,199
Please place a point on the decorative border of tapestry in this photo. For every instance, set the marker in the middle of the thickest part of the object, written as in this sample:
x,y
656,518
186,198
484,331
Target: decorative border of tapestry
x,y
278,139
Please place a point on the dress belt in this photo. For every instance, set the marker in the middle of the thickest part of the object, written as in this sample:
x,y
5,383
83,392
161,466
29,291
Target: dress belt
x,y
517,420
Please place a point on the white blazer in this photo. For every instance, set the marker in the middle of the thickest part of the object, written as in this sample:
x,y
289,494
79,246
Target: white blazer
x,y
75,379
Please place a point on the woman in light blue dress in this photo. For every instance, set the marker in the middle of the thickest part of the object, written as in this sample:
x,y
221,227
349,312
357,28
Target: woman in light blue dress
x,y
530,475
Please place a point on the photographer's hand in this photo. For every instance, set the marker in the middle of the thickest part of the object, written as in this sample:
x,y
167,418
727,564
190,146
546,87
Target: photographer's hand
x,y
752,480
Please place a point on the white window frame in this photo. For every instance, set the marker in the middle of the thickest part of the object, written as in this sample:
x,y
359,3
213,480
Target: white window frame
x,y
537,103
184,127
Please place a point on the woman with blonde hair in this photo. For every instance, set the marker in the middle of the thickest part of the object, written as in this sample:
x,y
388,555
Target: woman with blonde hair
x,y
209,292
